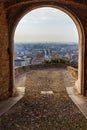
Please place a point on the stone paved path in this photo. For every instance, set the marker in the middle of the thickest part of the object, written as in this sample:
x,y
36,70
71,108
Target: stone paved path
x,y
38,111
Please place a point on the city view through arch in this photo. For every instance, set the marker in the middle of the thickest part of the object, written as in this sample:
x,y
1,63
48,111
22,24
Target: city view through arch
x,y
43,69
46,44
45,35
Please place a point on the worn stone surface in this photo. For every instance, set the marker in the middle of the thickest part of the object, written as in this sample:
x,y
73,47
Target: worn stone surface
x,y
36,111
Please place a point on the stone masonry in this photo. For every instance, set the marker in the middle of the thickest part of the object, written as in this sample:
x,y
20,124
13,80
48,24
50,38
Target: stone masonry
x,y
11,11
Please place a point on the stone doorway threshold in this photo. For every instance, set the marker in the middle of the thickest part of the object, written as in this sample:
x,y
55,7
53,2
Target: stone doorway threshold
x,y
79,100
7,104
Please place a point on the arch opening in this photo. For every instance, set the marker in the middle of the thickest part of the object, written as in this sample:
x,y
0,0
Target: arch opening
x,y
79,85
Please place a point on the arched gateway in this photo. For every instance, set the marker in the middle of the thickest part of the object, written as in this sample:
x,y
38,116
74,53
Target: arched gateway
x,y
16,10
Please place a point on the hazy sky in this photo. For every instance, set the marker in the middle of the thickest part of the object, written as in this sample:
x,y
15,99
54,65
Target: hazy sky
x,y
46,25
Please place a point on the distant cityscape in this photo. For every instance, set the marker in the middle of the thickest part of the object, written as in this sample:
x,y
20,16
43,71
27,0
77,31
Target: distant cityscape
x,y
37,53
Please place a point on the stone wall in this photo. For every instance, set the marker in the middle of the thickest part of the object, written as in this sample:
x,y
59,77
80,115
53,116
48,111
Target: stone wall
x,y
73,72
4,55
24,69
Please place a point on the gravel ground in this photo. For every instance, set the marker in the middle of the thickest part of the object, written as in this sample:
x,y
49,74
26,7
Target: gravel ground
x,y
36,111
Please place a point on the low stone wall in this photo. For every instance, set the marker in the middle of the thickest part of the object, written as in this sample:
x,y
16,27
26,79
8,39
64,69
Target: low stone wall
x,y
24,69
73,72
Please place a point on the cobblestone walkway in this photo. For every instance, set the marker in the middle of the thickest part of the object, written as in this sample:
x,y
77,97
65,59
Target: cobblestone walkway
x,y
36,111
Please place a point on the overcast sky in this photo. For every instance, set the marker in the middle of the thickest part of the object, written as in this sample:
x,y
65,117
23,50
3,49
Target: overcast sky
x,y
46,25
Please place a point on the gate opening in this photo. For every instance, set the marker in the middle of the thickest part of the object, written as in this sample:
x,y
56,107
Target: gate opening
x,y
79,85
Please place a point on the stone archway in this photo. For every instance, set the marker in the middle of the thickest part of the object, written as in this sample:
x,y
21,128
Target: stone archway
x,y
79,85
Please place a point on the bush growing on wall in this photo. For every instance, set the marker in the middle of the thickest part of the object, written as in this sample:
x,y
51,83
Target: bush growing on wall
x,y
56,60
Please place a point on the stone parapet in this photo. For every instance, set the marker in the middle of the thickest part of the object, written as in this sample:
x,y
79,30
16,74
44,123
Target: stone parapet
x,y
73,72
23,69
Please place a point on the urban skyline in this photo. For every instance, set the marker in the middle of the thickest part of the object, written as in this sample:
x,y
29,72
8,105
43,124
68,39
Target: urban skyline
x,y
25,54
